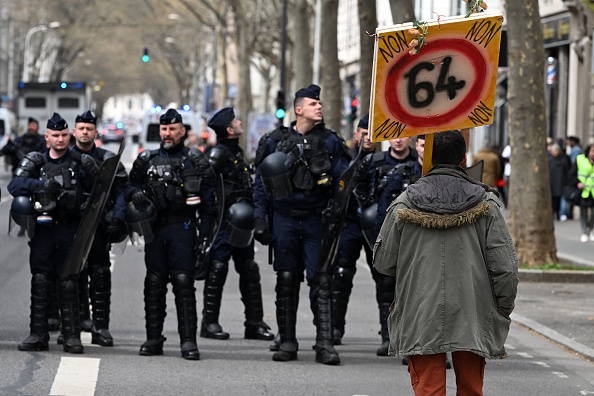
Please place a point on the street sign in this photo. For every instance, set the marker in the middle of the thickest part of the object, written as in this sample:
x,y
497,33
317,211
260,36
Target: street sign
x,y
445,80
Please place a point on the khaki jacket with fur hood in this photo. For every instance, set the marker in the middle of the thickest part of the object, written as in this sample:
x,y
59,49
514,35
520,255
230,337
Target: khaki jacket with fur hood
x,y
447,243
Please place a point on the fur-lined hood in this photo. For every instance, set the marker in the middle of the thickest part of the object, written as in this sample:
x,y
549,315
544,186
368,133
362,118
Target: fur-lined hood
x,y
446,197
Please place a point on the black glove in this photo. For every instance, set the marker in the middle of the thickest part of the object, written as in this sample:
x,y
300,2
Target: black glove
x,y
261,233
89,165
140,200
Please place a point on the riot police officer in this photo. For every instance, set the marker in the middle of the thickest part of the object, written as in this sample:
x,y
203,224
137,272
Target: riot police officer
x,y
55,185
351,238
235,235
293,186
398,179
110,230
30,141
175,182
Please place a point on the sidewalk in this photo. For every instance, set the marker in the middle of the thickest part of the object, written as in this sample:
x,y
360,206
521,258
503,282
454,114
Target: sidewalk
x,y
559,305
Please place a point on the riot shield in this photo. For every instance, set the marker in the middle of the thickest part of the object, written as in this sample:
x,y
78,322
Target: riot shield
x,y
77,258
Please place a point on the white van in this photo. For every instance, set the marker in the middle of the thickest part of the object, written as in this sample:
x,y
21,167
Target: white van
x,y
150,139
8,126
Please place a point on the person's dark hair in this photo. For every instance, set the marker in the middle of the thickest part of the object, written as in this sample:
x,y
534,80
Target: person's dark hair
x,y
587,149
574,139
449,148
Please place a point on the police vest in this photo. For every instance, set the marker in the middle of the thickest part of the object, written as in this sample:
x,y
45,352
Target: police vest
x,y
311,167
70,196
382,173
237,176
585,174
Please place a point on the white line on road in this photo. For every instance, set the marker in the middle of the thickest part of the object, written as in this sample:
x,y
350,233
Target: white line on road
x,y
76,376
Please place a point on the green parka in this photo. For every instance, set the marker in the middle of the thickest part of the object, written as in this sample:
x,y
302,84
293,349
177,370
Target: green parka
x,y
447,243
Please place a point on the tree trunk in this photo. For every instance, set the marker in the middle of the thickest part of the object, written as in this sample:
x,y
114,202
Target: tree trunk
x,y
402,11
367,23
244,86
331,89
530,212
302,58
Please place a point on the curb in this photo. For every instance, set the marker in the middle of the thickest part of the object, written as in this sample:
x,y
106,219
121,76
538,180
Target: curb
x,y
560,276
574,346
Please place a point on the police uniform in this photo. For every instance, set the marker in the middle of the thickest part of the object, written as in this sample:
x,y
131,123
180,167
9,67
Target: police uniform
x,y
111,229
57,187
22,145
234,238
170,181
317,158
379,169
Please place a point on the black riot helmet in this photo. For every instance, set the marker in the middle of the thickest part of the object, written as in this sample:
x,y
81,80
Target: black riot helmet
x,y
368,217
276,175
117,237
140,222
240,227
22,217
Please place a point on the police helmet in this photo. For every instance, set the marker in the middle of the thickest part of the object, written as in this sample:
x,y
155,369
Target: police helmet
x,y
140,222
368,217
116,237
276,175
240,227
23,215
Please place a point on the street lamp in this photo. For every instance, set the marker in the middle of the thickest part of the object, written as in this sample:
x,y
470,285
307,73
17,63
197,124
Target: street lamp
x,y
27,58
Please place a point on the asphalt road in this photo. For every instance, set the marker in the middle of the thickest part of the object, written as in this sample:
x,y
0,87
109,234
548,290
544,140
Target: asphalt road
x,y
536,366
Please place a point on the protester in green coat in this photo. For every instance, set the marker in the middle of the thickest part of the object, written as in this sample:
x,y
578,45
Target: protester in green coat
x,y
447,243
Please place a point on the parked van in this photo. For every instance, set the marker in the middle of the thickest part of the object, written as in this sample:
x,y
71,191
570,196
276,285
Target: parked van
x,y
150,139
8,126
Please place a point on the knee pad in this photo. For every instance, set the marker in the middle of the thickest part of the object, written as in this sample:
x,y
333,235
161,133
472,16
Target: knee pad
x,y
182,283
285,282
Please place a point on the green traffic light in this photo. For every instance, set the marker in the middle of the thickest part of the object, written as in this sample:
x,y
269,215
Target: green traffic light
x,y
280,113
145,58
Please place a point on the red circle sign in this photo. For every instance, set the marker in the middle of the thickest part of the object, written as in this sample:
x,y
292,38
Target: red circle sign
x,y
397,82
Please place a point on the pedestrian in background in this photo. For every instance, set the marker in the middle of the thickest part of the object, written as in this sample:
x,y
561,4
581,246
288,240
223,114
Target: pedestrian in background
x,y
491,165
558,176
582,176
437,240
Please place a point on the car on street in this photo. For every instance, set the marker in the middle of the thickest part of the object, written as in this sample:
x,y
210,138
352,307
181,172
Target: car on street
x,y
112,132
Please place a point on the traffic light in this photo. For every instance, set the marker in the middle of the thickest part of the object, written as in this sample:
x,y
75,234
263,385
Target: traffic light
x,y
280,105
145,55
354,105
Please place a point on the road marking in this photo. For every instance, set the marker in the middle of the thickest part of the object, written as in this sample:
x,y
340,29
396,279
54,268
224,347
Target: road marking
x,y
560,375
76,376
543,364
525,355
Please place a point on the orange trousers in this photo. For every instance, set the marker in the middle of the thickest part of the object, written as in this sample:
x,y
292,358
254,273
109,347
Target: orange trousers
x,y
428,374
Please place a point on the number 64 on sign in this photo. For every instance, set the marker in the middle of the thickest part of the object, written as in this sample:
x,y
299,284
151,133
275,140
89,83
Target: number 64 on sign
x,y
447,83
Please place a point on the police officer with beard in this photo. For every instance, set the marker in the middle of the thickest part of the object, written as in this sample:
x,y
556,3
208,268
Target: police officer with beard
x,y
176,181
111,229
294,183
27,143
55,184
235,236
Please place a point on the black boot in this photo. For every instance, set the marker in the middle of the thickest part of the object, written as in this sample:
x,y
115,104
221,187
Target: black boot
x,y
38,337
69,304
385,286
287,297
187,317
100,300
384,312
325,352
155,304
53,309
86,323
251,295
342,284
213,293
